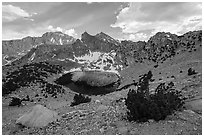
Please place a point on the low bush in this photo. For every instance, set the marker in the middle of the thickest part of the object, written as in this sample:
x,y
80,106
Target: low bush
x,y
15,101
191,72
142,105
78,99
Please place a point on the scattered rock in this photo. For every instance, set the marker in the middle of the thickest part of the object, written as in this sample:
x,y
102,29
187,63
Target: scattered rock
x,y
102,108
123,130
97,101
151,120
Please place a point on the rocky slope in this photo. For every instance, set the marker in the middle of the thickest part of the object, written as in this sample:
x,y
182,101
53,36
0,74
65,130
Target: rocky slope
x,y
14,49
168,56
103,52
160,47
91,52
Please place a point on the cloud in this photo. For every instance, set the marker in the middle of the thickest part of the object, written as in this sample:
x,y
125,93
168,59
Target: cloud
x,y
137,37
70,32
13,31
51,28
11,13
176,18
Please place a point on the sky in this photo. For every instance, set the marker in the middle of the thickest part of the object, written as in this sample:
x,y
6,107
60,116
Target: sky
x,y
121,20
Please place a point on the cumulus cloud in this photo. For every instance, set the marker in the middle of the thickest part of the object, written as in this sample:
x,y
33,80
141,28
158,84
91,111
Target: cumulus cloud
x,y
176,18
51,28
70,32
11,13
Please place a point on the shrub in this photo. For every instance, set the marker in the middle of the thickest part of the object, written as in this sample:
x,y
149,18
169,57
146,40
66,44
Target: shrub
x,y
155,66
191,72
78,99
15,101
142,105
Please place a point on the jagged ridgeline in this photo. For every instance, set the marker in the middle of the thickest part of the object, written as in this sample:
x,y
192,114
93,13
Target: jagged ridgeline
x,y
58,47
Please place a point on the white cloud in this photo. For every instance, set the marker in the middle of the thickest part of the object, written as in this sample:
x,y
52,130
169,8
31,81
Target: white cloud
x,y
51,28
12,32
70,32
131,37
135,36
177,18
11,13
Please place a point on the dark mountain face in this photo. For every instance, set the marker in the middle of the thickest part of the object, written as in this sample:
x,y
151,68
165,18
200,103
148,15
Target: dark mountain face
x,y
14,49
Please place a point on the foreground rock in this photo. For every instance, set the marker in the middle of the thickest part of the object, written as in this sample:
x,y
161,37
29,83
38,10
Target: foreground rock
x,y
39,116
90,82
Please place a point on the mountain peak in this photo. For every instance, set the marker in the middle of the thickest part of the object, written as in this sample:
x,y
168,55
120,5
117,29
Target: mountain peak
x,y
102,34
57,37
105,37
54,33
85,34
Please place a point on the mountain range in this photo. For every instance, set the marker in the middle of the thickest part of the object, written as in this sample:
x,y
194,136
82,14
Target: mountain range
x,y
97,52
14,49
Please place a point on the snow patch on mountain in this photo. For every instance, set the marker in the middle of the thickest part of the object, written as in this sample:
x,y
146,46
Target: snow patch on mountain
x,y
32,57
97,61
87,58
60,41
52,40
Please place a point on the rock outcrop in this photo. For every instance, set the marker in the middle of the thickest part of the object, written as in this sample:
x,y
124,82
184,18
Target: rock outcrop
x,y
39,116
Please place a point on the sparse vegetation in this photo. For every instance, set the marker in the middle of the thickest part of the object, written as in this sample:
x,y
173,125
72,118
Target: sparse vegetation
x,y
15,102
191,72
78,99
155,66
142,105
28,74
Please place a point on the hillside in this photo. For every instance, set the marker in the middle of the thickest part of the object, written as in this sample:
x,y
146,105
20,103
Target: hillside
x,y
32,74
